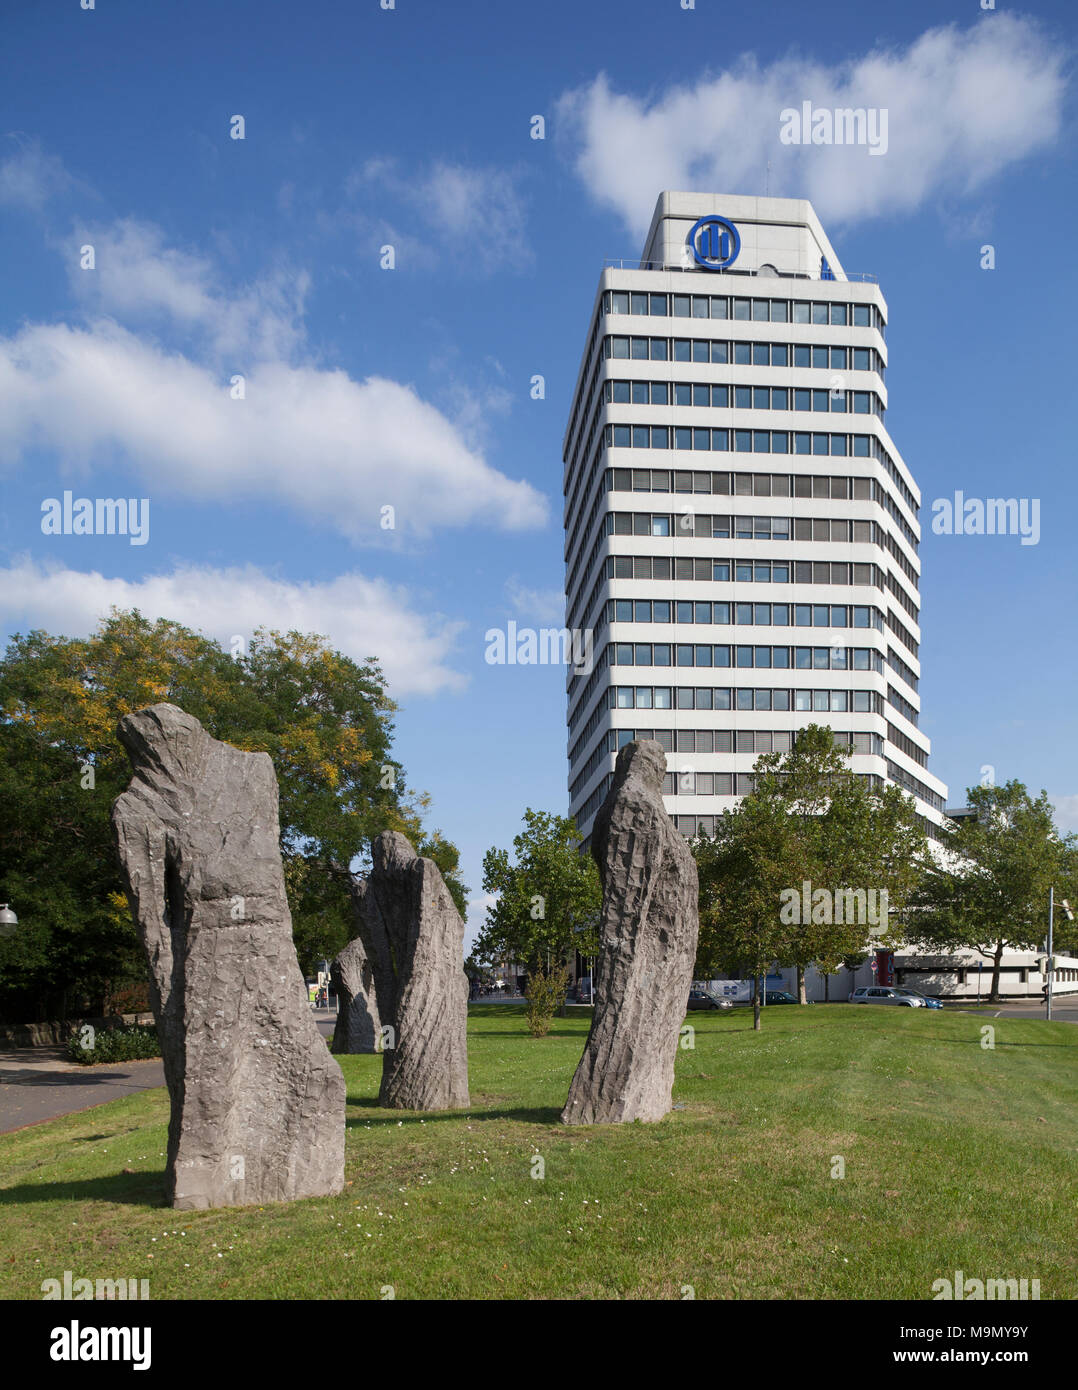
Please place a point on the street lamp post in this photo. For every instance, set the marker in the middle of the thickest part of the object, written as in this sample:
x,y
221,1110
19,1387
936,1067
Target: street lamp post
x,y
1050,963
8,921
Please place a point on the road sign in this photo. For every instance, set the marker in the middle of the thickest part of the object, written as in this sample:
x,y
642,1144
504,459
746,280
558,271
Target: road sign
x,y
874,966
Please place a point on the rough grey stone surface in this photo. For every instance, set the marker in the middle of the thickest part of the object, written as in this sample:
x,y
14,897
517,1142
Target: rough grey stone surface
x,y
414,938
257,1100
647,948
358,1025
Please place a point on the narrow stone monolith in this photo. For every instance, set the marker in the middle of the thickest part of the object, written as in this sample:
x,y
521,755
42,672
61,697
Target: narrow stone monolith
x,y
358,1026
257,1101
413,936
647,949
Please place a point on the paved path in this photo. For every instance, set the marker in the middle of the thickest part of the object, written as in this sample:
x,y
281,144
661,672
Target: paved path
x,y
39,1083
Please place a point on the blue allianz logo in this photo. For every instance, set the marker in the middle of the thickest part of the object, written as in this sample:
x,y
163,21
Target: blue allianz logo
x,y
715,243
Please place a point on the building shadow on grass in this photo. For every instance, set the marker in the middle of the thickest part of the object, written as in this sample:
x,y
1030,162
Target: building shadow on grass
x,y
127,1189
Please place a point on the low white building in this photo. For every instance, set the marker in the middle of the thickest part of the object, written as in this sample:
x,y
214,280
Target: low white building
x,y
963,974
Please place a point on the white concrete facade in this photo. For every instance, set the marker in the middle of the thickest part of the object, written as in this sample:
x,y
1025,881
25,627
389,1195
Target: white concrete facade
x,y
729,475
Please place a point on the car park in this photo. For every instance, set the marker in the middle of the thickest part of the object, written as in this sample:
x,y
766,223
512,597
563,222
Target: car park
x,y
886,994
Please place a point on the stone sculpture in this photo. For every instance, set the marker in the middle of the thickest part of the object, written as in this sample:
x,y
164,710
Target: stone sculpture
x,y
358,1026
647,949
257,1102
413,937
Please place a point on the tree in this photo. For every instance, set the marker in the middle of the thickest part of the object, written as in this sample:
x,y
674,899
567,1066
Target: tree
x,y
324,719
548,900
989,888
808,820
743,869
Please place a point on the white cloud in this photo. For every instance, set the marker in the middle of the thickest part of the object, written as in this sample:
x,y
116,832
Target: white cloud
x,y
963,104
29,177
334,449
361,617
476,213
543,606
138,277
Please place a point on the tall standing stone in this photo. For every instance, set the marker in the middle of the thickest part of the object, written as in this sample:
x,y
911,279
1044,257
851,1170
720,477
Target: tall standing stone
x,y
647,948
358,1025
257,1101
413,936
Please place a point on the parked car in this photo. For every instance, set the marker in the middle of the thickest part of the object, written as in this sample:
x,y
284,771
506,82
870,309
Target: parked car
x,y
886,994
584,991
779,996
926,999
701,999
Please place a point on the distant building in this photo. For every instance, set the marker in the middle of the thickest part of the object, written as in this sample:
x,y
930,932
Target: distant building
x,y
741,532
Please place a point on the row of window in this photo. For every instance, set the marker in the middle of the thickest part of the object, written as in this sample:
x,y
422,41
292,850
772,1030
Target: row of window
x,y
742,528
828,486
716,397
721,306
835,658
695,568
700,697
738,441
733,352
628,610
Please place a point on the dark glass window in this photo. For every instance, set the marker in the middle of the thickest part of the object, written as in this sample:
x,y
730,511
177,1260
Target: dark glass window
x,y
619,303
682,304
640,393
761,354
742,354
719,352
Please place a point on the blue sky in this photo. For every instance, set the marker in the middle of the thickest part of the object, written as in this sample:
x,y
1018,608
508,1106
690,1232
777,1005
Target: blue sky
x,y
367,387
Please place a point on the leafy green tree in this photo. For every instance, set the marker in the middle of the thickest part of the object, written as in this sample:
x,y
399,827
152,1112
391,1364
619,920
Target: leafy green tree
x,y
743,869
989,888
548,898
807,819
325,720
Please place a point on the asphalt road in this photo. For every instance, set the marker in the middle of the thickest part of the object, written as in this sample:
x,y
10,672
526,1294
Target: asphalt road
x,y
39,1083
1064,1009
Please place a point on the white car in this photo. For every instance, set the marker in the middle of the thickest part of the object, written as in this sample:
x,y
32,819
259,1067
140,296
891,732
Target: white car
x,y
883,994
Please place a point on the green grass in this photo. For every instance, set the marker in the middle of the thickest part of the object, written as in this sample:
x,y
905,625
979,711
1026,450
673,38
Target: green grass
x,y
955,1158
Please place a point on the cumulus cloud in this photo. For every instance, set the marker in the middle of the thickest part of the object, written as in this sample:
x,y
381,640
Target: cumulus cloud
x,y
962,105
106,390
361,617
334,449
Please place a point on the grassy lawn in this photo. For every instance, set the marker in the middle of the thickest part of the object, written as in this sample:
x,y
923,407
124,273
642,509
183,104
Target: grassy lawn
x,y
956,1157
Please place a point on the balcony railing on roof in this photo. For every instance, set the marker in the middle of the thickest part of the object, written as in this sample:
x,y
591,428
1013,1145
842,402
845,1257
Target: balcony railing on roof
x,y
625,263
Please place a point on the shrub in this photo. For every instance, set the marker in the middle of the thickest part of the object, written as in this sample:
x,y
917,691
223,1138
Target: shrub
x,y
545,993
131,1044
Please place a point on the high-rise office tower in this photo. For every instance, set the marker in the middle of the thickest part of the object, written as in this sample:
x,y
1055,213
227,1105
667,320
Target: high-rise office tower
x,y
741,534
